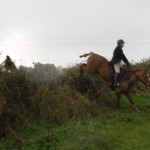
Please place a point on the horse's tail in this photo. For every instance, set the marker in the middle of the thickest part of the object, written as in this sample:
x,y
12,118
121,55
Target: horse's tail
x,y
85,55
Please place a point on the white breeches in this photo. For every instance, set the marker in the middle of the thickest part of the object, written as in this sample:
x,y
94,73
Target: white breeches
x,y
117,67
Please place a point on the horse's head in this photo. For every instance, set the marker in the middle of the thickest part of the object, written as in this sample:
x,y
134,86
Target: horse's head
x,y
144,77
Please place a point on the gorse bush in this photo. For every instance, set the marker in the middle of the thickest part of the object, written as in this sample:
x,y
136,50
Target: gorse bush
x,y
42,73
91,86
14,100
51,96
22,98
60,104
144,64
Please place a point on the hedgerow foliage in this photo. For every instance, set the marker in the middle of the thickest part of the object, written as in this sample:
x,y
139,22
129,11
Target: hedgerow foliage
x,y
51,95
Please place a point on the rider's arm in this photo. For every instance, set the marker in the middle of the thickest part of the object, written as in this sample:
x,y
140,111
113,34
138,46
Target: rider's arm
x,y
124,57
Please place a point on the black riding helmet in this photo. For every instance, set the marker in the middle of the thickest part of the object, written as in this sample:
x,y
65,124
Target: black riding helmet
x,y
120,42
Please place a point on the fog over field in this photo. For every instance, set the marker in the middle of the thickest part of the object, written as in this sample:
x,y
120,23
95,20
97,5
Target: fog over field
x,y
58,31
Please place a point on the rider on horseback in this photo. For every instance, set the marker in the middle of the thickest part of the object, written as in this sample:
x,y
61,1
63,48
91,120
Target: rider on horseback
x,y
9,64
118,55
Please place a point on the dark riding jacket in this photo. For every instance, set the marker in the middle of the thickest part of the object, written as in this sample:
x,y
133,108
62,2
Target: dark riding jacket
x,y
118,55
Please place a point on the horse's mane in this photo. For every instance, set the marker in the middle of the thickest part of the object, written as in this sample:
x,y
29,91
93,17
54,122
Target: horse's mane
x,y
126,74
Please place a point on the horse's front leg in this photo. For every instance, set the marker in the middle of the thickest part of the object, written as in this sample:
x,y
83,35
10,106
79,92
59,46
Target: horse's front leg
x,y
128,94
118,97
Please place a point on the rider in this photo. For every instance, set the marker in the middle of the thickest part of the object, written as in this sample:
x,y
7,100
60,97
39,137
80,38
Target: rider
x,y
118,55
9,64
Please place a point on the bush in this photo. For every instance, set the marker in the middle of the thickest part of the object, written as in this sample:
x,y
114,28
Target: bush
x,y
60,105
50,95
14,100
91,86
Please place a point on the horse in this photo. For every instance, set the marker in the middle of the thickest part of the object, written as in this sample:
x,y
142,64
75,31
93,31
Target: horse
x,y
97,64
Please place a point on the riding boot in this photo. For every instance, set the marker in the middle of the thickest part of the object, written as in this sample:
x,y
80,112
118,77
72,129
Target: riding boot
x,y
116,83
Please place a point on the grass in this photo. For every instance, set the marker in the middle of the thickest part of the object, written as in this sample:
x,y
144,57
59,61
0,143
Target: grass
x,y
122,129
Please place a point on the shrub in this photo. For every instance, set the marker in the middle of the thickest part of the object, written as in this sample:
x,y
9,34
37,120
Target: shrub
x,y
14,100
60,105
90,86
50,95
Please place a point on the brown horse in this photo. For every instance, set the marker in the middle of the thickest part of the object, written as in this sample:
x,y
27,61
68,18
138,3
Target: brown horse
x,y
97,64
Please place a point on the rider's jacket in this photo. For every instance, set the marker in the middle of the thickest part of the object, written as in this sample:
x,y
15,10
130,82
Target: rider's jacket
x,y
118,55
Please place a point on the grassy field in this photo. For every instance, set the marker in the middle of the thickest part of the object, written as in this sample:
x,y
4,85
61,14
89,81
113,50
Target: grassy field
x,y
122,129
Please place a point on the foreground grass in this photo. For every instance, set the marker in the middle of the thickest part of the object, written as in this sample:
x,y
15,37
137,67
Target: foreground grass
x,y
121,129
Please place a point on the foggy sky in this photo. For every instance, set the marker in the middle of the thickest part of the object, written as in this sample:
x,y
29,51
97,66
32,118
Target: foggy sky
x,y
58,31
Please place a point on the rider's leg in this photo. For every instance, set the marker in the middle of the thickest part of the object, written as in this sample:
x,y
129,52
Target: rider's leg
x,y
116,76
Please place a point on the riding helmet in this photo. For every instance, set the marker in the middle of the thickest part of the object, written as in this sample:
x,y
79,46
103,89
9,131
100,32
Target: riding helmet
x,y
120,42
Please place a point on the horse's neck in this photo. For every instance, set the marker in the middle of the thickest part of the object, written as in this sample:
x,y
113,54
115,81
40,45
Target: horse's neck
x,y
131,76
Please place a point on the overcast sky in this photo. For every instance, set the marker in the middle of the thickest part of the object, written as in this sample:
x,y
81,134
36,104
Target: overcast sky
x,y
58,31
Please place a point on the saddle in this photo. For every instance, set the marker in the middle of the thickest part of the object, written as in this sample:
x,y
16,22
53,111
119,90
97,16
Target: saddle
x,y
112,73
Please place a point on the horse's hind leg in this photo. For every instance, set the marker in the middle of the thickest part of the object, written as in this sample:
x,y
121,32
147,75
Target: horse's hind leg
x,y
82,69
131,101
